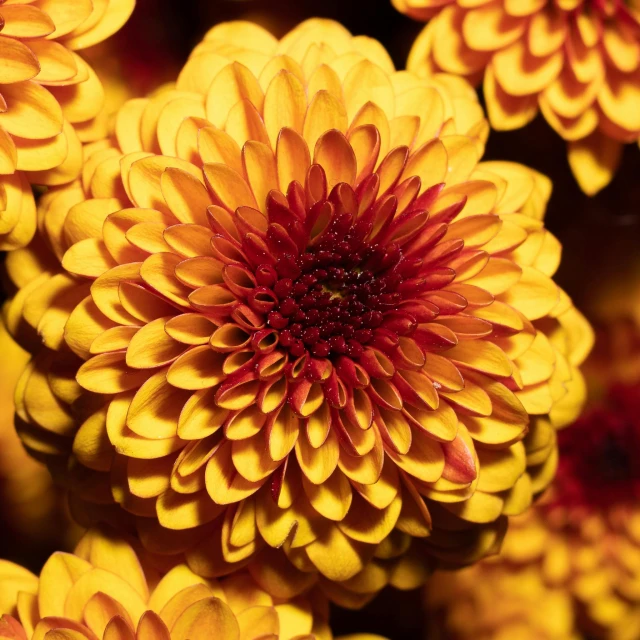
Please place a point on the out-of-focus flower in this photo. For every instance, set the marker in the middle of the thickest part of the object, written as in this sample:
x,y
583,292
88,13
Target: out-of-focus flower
x,y
27,498
105,589
581,542
49,97
295,311
492,602
31,506
576,61
614,308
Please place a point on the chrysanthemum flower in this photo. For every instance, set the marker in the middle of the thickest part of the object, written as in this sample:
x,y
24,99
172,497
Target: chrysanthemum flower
x,y
295,311
584,539
49,97
576,61
106,590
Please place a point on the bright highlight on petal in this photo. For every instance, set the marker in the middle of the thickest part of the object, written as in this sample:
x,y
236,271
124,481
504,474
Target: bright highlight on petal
x,y
308,331
577,62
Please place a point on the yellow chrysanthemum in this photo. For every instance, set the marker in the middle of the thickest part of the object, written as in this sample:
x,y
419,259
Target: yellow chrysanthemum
x,y
577,61
295,311
49,97
106,590
582,543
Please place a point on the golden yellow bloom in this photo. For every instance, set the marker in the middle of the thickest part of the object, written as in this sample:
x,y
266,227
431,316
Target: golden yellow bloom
x,y
296,311
581,544
577,61
48,100
105,589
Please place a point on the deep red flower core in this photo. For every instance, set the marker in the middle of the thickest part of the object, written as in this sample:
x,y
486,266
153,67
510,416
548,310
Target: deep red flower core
x,y
328,277
599,454
337,295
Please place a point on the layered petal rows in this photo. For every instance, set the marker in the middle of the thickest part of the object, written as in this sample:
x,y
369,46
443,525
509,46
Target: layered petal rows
x,y
106,590
287,319
576,61
49,99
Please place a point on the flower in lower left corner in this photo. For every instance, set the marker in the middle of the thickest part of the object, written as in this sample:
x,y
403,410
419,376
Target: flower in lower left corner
x,y
105,589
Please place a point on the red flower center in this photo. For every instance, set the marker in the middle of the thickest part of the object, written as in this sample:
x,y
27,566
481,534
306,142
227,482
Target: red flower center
x,y
333,280
335,295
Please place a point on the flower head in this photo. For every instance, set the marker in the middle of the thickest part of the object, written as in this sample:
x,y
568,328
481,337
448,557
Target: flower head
x,y
579,541
295,312
576,61
106,590
50,97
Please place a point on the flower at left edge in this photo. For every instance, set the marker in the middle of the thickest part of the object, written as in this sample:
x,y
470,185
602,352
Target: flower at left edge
x,y
110,590
30,506
49,99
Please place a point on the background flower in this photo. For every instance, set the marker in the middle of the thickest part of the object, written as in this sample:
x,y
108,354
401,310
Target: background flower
x,y
577,547
32,513
50,98
577,62
333,370
106,589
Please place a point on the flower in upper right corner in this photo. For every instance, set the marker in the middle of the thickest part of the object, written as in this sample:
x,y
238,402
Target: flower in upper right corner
x,y
49,99
576,61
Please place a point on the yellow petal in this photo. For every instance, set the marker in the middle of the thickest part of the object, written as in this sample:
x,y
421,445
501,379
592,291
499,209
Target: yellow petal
x,y
507,112
67,16
336,557
260,169
233,84
115,16
521,74
204,618
224,484
332,498
318,464
201,416
594,161
229,187
285,105
128,443
156,407
367,82
21,64
32,112
100,580
368,524
325,112
334,153
178,511
58,575
292,158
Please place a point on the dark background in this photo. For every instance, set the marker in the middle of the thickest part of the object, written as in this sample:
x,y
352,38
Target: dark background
x,y
600,235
